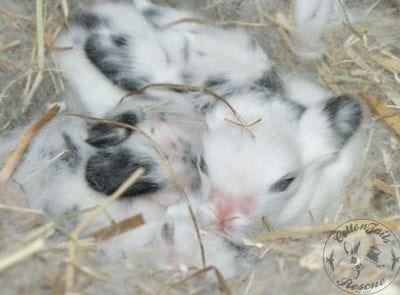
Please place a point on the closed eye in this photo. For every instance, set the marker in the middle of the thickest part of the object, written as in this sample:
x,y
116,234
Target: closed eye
x,y
282,184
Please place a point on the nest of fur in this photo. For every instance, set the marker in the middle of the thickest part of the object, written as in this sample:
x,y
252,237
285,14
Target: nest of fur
x,y
360,57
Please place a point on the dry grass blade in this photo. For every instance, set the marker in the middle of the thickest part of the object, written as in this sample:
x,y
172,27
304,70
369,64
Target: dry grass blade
x,y
389,117
171,172
348,22
41,60
383,186
21,254
295,232
74,236
118,228
240,125
204,21
390,64
13,159
86,270
222,284
21,209
312,229
188,87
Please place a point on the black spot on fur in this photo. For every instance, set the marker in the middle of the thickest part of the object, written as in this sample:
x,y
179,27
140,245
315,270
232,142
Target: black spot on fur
x,y
119,40
167,232
345,115
215,82
299,109
104,135
238,248
108,169
196,184
111,55
206,108
73,157
188,155
90,21
271,82
203,165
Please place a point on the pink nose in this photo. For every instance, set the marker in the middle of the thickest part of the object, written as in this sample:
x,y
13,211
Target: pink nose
x,y
227,208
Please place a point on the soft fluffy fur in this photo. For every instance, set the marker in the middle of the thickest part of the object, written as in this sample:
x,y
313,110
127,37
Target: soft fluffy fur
x,y
292,162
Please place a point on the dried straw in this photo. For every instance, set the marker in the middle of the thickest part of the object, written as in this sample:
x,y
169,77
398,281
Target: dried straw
x,y
13,159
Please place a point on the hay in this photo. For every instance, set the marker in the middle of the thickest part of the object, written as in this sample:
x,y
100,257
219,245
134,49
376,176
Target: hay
x,y
362,56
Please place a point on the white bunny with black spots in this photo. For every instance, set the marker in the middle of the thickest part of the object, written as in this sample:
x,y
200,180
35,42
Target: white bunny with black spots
x,y
289,155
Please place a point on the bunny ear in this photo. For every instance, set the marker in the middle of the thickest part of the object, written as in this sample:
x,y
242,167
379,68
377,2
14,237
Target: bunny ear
x,y
356,247
348,248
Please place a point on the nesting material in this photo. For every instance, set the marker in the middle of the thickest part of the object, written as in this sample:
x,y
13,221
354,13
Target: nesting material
x,y
361,55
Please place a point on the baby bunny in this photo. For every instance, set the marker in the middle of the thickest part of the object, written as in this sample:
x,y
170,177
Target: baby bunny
x,y
291,162
121,47
72,165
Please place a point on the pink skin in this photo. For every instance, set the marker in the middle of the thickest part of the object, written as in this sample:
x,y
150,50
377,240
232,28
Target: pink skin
x,y
226,209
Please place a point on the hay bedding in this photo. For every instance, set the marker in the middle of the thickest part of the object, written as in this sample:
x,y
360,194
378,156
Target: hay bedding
x,y
363,56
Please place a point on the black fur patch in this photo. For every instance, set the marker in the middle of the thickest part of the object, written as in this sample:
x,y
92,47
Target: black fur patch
x,y
206,108
112,57
104,135
238,248
108,169
299,109
167,233
89,21
203,165
345,115
271,82
73,157
119,40
215,82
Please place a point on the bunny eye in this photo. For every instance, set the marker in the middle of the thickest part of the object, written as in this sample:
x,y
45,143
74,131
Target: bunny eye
x,y
282,184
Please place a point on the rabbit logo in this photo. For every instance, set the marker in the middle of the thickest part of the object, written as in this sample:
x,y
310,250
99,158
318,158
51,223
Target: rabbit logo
x,y
362,256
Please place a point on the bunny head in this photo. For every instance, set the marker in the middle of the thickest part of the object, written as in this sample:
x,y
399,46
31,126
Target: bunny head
x,y
291,160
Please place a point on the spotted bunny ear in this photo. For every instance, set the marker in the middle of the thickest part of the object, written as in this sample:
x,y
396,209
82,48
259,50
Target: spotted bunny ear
x,y
344,114
325,128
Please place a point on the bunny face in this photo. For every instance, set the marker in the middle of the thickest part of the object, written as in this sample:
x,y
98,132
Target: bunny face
x,y
277,172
